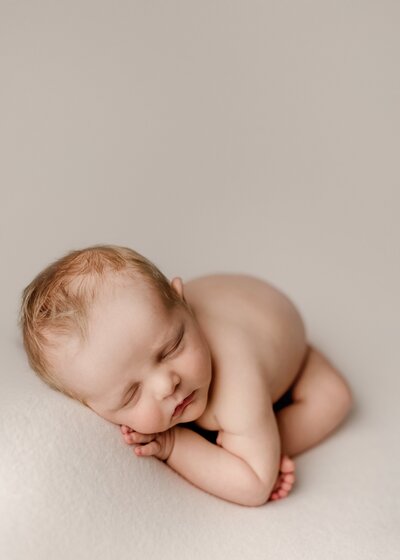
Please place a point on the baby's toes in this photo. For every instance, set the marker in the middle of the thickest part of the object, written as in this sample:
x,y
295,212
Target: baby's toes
x,y
289,477
282,493
279,481
286,486
287,465
278,494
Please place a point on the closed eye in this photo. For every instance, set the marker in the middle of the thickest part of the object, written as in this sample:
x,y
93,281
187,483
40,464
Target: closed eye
x,y
176,345
166,355
130,397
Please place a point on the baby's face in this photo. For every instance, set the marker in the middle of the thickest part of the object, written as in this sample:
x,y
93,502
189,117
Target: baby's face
x,y
140,361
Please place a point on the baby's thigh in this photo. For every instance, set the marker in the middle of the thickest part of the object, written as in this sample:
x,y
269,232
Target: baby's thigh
x,y
320,382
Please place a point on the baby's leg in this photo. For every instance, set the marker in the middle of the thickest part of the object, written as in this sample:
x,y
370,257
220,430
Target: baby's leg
x,y
321,400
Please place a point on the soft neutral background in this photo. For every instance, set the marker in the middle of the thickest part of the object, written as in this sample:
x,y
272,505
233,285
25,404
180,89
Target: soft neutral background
x,y
212,136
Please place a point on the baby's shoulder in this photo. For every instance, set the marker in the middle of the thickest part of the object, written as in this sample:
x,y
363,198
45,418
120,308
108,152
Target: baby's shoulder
x,y
232,322
247,302
248,307
225,308
214,283
246,321
218,293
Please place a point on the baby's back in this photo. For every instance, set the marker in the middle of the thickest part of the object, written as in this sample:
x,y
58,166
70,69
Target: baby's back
x,y
256,336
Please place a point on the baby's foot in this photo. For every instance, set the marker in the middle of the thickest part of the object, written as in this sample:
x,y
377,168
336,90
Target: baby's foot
x,y
286,478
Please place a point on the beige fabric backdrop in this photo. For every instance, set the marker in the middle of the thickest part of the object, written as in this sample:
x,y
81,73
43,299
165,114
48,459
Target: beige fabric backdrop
x,y
224,136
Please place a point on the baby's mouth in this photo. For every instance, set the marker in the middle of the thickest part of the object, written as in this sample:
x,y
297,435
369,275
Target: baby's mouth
x,y
180,408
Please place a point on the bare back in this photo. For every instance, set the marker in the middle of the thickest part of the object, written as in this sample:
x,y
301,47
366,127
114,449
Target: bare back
x,y
256,337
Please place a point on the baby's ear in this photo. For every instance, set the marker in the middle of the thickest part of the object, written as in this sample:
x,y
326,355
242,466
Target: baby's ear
x,y
177,285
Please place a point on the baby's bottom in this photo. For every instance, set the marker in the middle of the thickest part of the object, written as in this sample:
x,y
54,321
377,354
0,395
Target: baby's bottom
x,y
314,406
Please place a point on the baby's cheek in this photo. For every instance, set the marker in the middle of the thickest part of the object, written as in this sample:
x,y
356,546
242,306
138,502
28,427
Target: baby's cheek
x,y
149,422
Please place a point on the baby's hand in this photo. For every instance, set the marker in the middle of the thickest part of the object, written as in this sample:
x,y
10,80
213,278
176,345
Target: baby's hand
x,y
285,481
160,445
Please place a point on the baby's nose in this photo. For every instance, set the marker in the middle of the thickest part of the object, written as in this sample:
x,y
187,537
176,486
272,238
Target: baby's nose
x,y
166,385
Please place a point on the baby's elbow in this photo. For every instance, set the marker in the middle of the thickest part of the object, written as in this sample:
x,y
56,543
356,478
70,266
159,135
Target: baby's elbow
x,y
259,496
258,499
263,491
260,502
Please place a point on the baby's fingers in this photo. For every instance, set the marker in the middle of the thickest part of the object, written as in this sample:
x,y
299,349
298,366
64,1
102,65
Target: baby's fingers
x,y
151,448
125,429
136,437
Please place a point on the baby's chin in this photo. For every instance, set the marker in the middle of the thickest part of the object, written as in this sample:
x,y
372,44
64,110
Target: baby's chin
x,y
197,407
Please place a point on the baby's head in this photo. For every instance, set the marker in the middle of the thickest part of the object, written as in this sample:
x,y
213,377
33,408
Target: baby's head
x,y
104,326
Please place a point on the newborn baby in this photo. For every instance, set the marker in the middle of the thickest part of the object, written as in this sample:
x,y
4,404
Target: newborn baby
x,y
172,364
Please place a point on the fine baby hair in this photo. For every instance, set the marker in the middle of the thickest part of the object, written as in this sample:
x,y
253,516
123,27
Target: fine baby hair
x,y
57,302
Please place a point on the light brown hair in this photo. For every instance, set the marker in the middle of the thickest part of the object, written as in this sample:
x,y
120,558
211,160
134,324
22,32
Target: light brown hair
x,y
57,302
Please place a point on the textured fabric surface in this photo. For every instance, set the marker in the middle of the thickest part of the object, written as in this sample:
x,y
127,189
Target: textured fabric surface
x,y
254,137
71,489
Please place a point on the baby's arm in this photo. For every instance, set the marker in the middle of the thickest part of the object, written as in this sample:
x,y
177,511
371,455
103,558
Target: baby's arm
x,y
204,464
226,484
247,469
215,470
